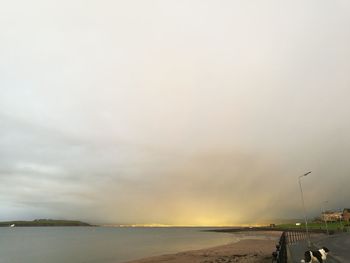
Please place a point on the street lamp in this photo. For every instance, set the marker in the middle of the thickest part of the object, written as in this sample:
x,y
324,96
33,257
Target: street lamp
x,y
302,199
324,215
340,219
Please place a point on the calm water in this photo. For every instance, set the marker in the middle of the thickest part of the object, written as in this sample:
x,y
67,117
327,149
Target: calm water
x,y
100,244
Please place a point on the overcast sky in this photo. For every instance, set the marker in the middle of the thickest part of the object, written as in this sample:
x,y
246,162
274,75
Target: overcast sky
x,y
174,112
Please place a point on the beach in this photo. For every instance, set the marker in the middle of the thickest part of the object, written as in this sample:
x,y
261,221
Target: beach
x,y
250,250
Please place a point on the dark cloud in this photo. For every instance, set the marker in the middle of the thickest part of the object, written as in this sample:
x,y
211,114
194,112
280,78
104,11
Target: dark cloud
x,y
176,113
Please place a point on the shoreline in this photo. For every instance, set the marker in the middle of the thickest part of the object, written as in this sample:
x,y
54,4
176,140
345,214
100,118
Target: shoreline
x,y
252,249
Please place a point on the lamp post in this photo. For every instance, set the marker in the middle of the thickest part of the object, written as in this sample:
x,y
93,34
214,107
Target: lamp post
x,y
340,219
305,218
324,215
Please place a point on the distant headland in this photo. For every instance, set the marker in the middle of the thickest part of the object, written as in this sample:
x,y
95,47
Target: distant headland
x,y
44,222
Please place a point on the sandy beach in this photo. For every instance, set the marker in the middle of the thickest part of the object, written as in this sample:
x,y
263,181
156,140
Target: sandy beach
x,y
243,251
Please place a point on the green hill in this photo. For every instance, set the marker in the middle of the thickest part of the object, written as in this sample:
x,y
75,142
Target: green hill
x,y
44,222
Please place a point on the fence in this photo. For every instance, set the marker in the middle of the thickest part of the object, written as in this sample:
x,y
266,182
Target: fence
x,y
295,236
287,237
280,255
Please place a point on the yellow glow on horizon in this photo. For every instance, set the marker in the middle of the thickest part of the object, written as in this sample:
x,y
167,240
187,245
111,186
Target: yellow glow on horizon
x,y
185,225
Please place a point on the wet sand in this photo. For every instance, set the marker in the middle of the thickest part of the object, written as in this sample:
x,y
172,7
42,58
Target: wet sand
x,y
244,251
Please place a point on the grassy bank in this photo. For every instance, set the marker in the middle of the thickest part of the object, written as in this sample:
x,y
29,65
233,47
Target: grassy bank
x,y
332,226
313,227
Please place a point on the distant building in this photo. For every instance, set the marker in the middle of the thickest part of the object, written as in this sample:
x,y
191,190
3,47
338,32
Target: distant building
x,y
331,216
346,214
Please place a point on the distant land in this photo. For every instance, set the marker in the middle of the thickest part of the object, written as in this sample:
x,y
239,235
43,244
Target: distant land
x,y
44,222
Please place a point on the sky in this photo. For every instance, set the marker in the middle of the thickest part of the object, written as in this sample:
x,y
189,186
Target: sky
x,y
196,112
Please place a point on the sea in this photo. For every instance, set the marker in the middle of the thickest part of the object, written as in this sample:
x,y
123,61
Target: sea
x,y
102,244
